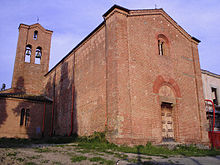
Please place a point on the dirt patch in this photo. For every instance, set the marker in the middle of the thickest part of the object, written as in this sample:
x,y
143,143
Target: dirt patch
x,y
66,154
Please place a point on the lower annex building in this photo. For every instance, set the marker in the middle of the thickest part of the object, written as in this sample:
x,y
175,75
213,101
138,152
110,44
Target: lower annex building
x,y
136,76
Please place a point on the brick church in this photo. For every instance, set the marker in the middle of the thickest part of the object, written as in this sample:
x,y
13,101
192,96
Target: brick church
x,y
136,76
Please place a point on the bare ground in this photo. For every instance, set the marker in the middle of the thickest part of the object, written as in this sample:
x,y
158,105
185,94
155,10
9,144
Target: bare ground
x,y
72,154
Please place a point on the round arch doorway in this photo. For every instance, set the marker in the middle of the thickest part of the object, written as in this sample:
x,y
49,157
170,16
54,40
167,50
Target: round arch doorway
x,y
167,102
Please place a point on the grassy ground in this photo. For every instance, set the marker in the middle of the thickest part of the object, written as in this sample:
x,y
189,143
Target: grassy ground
x,y
90,150
97,142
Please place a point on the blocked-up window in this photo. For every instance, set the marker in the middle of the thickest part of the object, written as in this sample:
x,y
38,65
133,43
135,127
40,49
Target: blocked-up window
x,y
28,53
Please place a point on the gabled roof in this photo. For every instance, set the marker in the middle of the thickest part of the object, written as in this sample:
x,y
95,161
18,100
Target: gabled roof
x,y
115,7
151,12
132,13
40,98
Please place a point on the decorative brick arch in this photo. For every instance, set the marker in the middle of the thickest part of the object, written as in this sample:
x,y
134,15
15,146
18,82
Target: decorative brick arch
x,y
160,81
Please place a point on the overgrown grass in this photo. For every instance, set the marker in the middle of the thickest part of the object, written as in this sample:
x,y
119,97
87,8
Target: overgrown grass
x,y
21,159
98,143
77,158
44,161
101,160
41,150
11,154
30,163
19,142
57,163
34,157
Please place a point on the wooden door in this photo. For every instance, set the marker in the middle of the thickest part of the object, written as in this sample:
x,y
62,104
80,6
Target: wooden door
x,y
167,123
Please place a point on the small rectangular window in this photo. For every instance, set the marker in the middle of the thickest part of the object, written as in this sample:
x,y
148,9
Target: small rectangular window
x,y
35,35
214,96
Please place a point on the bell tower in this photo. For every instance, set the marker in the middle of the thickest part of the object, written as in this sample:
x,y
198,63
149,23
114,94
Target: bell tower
x,y
32,59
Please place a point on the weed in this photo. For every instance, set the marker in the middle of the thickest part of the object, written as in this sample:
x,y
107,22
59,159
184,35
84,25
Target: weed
x,y
149,163
96,159
120,156
11,154
40,150
78,158
84,151
34,157
109,162
147,158
30,163
171,162
13,142
61,145
133,160
57,163
98,143
20,159
109,152
96,137
101,160
97,153
44,161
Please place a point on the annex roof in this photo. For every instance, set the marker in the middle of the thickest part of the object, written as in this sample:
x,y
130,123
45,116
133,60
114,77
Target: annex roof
x,y
40,98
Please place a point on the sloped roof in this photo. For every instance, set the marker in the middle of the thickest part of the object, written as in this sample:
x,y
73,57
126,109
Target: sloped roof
x,y
210,73
161,11
40,98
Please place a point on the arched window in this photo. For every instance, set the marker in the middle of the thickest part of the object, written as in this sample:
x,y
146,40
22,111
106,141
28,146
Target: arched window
x,y
22,116
35,34
163,45
28,53
38,55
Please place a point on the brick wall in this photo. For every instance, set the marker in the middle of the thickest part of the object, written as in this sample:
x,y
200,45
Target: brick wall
x,y
11,114
118,73
133,52
90,88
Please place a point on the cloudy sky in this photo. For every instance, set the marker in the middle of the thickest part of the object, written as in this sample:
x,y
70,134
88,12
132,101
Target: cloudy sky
x,y
72,20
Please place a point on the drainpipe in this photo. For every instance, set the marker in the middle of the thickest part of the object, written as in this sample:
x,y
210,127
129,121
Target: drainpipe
x,y
71,130
106,77
43,119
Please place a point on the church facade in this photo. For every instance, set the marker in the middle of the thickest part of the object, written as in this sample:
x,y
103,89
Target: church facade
x,y
136,76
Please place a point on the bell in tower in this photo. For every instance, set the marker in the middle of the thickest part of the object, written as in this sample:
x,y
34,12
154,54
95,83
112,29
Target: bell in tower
x,y
31,67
